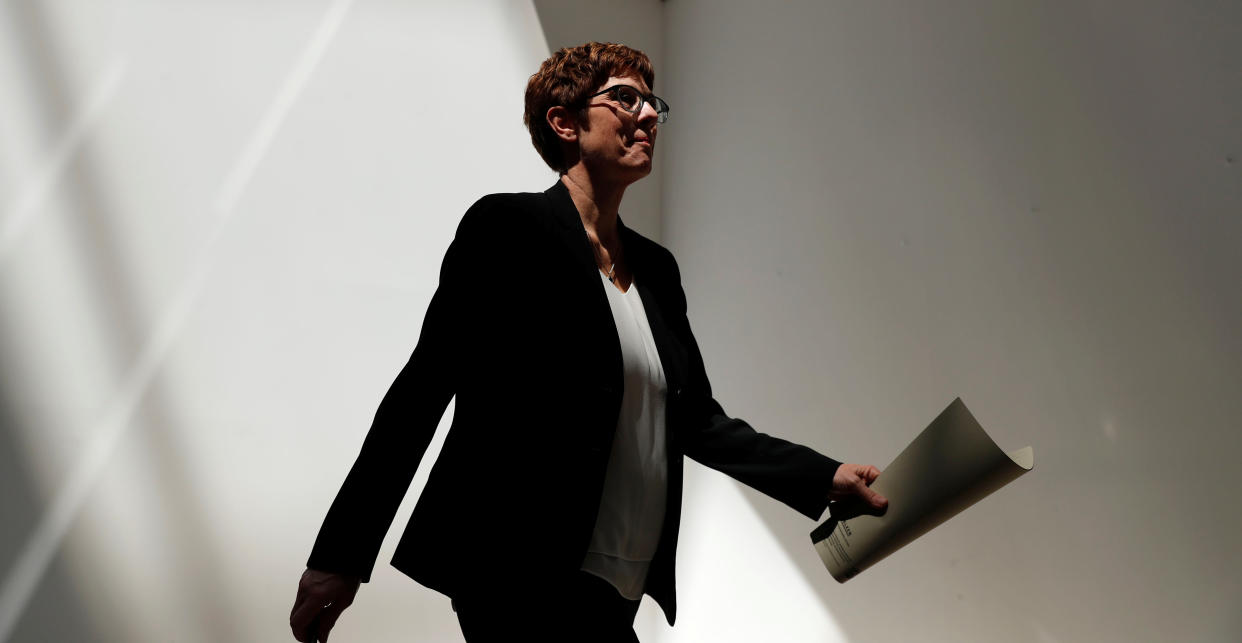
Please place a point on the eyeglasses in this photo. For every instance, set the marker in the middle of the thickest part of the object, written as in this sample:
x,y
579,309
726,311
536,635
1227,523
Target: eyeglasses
x,y
632,101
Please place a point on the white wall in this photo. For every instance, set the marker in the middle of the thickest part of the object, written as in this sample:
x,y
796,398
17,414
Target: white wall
x,y
880,206
220,224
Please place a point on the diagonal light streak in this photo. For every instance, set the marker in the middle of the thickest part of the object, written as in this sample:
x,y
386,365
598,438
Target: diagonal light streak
x,y
256,148
35,192
114,424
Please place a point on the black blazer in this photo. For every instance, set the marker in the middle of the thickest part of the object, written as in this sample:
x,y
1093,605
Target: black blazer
x,y
520,331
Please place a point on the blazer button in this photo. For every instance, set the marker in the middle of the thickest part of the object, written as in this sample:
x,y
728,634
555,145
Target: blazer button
x,y
677,393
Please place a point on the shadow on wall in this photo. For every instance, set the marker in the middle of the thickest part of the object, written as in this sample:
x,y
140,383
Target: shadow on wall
x,y
54,612
567,23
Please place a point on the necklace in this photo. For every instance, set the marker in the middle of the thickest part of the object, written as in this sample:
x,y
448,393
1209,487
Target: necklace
x,y
611,272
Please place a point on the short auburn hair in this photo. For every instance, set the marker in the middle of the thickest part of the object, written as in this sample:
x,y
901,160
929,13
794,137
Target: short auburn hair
x,y
566,79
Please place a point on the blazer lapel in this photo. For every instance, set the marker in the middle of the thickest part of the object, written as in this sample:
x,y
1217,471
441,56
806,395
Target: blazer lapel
x,y
649,282
567,226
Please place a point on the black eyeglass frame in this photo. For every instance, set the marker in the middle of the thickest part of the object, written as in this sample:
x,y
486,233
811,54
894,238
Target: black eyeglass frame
x,y
658,104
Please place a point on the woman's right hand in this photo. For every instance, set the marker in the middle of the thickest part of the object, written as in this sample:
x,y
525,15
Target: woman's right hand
x,y
322,596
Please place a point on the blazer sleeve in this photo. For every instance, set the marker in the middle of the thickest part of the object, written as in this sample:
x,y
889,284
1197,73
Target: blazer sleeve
x,y
406,420
794,474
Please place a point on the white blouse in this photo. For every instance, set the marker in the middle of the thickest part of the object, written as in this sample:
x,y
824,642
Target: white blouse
x,y
631,509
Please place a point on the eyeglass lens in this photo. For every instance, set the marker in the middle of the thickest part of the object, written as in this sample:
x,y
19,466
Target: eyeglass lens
x,y
632,101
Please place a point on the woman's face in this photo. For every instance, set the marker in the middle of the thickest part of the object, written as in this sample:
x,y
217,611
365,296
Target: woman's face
x,y
615,143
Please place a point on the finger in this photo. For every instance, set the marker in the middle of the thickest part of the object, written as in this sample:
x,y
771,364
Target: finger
x,y
302,618
302,634
327,620
298,600
869,473
312,630
872,498
329,616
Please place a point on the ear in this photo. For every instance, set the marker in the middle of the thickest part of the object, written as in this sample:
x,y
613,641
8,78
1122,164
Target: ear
x,y
564,123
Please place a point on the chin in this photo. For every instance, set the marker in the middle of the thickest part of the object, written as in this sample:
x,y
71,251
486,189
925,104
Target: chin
x,y
640,171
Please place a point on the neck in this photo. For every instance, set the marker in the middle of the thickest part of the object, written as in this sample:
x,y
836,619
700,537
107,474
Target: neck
x,y
597,203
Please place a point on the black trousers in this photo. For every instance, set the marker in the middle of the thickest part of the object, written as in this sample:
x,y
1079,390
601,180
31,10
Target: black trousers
x,y
583,607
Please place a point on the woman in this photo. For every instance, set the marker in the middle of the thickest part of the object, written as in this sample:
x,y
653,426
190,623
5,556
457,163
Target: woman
x,y
562,334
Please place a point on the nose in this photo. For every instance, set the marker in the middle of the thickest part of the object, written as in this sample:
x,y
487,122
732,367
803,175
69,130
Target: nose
x,y
648,113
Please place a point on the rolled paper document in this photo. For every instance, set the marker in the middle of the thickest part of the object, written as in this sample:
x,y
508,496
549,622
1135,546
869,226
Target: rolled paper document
x,y
950,466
